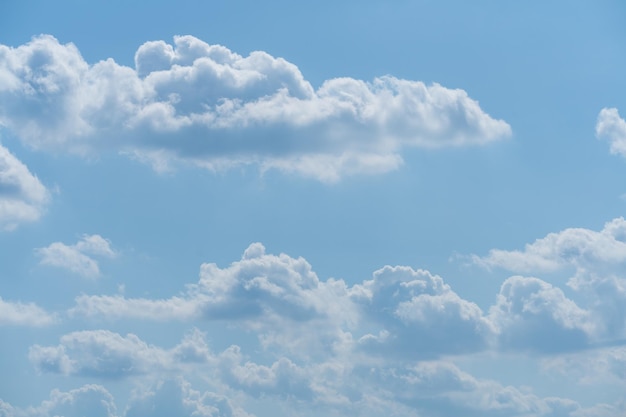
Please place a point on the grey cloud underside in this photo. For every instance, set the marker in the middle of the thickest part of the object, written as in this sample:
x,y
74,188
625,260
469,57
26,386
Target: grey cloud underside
x,y
207,105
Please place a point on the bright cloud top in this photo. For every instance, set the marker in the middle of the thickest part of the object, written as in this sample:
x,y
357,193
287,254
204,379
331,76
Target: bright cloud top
x,y
612,128
207,105
76,258
22,196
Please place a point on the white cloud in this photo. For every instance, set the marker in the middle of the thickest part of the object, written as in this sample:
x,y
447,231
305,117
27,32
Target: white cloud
x,y
172,397
89,400
612,128
277,296
22,196
177,398
419,315
575,247
209,106
597,261
20,314
533,315
401,313
104,354
74,257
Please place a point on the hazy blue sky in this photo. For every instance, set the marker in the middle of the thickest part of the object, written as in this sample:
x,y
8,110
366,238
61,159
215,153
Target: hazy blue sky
x,y
238,208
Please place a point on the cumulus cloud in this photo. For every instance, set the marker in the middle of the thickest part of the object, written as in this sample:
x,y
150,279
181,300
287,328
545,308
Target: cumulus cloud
x,y
89,400
533,315
75,258
211,107
171,397
278,296
401,313
612,128
596,261
419,315
22,196
439,388
177,398
106,354
574,247
21,314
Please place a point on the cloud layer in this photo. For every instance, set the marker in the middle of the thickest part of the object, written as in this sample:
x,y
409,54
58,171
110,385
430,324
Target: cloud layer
x,y
209,106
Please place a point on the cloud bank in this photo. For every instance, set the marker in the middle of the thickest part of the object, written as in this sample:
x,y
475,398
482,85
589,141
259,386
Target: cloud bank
x,y
206,105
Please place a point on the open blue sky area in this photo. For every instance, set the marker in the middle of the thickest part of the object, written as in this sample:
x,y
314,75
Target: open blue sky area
x,y
237,208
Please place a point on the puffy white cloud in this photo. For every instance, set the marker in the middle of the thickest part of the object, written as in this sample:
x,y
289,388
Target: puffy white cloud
x,y
75,258
612,128
597,260
283,378
533,315
89,400
575,247
97,353
177,398
22,196
277,296
209,106
21,314
419,315
280,298
171,397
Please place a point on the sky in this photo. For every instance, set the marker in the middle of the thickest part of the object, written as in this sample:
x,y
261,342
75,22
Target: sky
x,y
236,208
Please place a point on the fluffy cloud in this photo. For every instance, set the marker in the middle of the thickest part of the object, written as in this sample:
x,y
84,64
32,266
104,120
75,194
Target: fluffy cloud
x,y
574,247
89,400
437,388
75,258
278,296
105,354
172,397
22,196
20,314
209,106
401,313
533,315
177,398
419,315
612,128
596,261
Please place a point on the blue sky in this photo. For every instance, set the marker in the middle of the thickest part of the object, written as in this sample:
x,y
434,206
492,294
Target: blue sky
x,y
408,208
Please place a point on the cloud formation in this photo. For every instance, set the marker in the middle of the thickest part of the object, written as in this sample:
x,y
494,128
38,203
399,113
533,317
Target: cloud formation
x,y
574,247
76,258
401,313
21,314
206,105
612,128
594,262
22,196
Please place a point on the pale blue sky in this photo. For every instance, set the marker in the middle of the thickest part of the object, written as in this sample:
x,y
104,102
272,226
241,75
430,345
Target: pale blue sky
x,y
438,136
